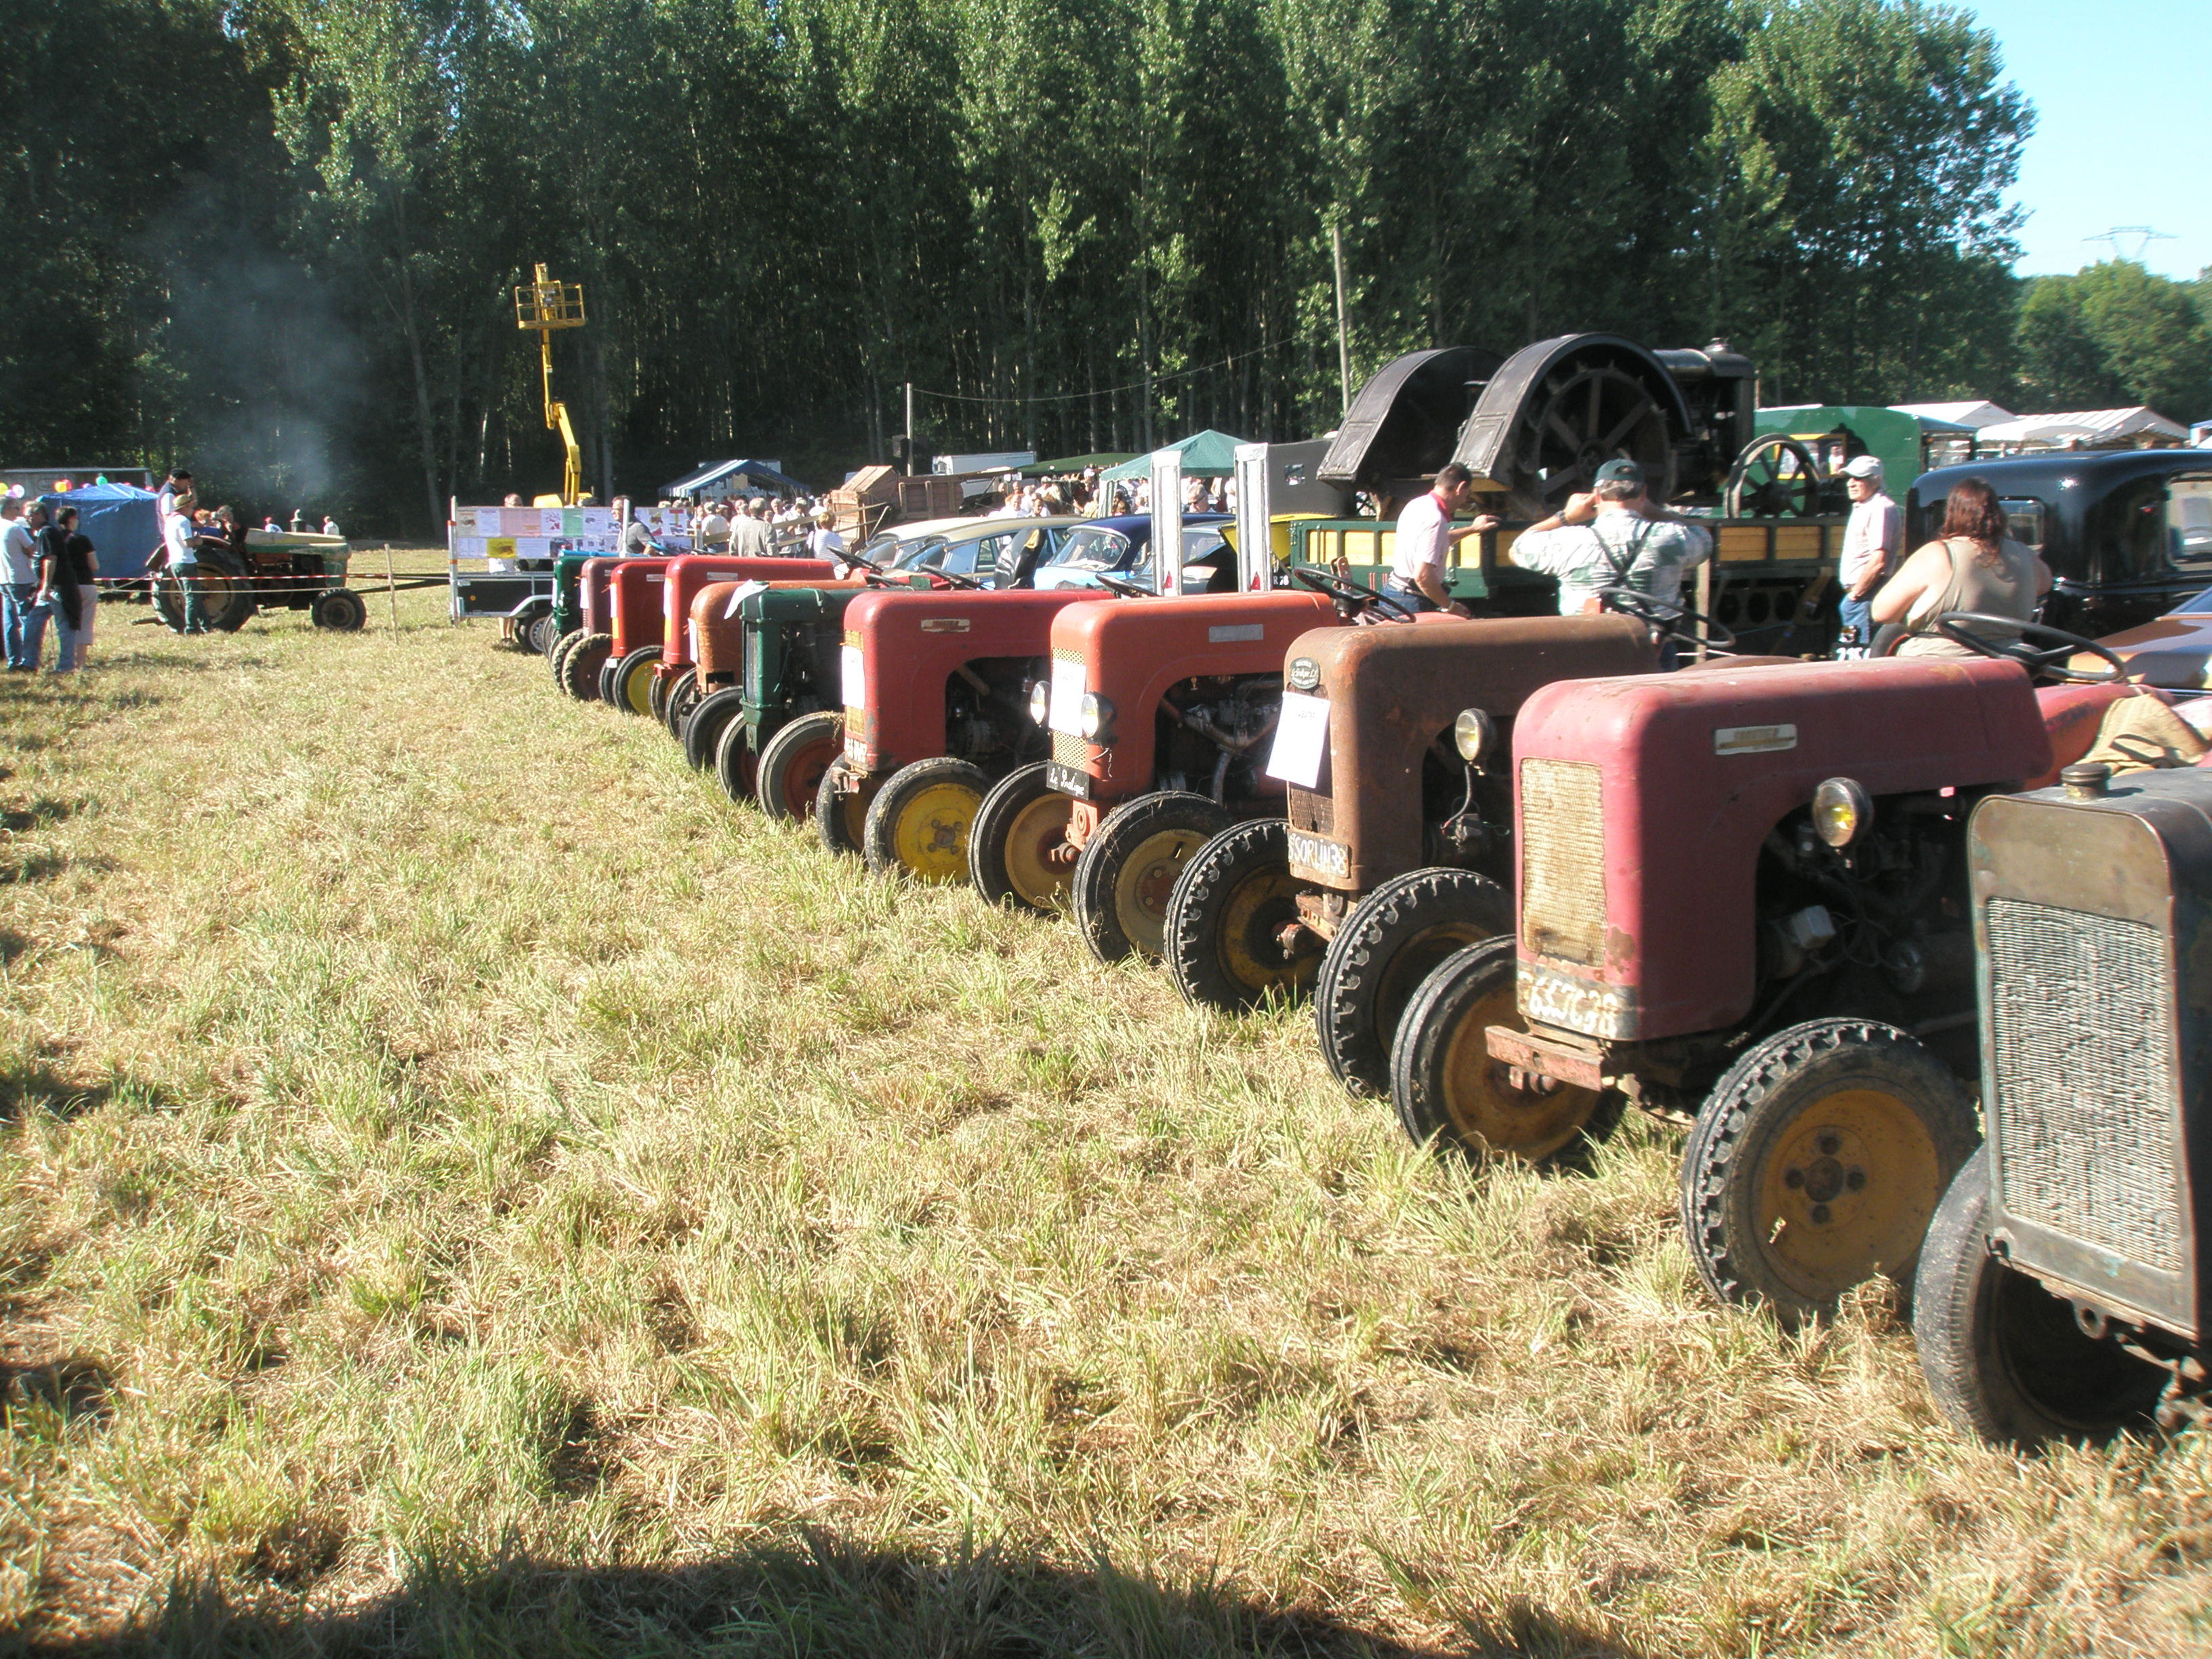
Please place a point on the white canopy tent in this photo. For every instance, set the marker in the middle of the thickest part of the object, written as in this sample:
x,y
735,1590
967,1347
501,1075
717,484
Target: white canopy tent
x,y
2085,429
1974,412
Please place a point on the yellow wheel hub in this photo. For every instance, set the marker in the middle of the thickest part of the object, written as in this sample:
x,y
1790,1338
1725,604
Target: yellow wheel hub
x,y
1039,830
636,689
1146,883
1496,1108
1263,903
930,834
1847,1191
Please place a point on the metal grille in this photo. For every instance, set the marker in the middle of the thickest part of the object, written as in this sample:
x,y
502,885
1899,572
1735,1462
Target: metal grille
x,y
1562,860
1313,813
2081,1027
1070,751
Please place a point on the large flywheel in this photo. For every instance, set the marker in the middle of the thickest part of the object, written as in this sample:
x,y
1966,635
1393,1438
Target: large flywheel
x,y
1559,409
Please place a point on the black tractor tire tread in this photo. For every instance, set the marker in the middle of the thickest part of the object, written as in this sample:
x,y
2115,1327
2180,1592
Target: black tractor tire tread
x,y
829,821
1192,936
680,699
341,610
1091,894
1400,914
560,648
734,767
1723,1135
878,847
702,728
617,679
794,735
579,669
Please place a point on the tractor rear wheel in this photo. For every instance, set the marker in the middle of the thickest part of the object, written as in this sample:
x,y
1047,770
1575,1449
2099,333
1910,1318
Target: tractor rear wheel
x,y
560,650
538,636
2003,1358
1233,907
1018,849
1394,939
219,580
1128,869
736,767
579,669
342,611
656,698
678,700
1818,1161
792,763
920,819
841,816
1449,1091
703,731
629,682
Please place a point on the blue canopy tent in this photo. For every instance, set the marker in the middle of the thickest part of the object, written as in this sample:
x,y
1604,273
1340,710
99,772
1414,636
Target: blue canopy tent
x,y
121,521
731,475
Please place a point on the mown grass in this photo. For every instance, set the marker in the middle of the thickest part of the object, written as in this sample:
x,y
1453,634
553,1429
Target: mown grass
x,y
465,1187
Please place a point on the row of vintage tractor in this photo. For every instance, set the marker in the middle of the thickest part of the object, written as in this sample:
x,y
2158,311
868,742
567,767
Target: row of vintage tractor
x,y
1527,879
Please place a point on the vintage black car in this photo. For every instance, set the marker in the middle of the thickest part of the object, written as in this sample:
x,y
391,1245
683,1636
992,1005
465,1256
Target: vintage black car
x,y
2126,532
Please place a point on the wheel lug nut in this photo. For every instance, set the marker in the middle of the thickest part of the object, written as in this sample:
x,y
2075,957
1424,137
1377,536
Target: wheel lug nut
x,y
1855,1180
1820,1213
1828,1143
1794,1179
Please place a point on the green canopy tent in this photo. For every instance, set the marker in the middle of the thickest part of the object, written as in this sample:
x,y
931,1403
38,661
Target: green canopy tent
x,y
1104,458
1207,454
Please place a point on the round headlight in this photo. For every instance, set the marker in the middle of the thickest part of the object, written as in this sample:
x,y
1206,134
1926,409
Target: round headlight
x,y
1303,674
1040,701
1474,735
1097,715
1843,811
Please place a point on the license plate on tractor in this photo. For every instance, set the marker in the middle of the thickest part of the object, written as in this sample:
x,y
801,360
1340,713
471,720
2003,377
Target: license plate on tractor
x,y
1327,858
1067,780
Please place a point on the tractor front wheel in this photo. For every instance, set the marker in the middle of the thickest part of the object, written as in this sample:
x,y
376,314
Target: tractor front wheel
x,y
1447,1088
629,682
341,610
1232,934
703,731
1017,851
677,701
841,815
579,669
921,819
1394,939
736,767
792,763
2003,1358
1817,1163
538,636
559,652
1128,869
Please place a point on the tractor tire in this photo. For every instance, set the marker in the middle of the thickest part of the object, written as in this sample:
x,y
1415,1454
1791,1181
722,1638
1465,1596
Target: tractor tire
x,y
579,669
537,635
1231,905
702,731
1392,940
677,700
919,820
1447,1090
736,767
656,698
630,681
224,603
342,611
792,763
1818,1161
555,643
560,651
605,685
2004,1360
1128,871
1018,846
841,818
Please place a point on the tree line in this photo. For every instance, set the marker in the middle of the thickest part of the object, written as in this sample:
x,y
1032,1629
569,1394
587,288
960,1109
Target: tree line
x,y
278,238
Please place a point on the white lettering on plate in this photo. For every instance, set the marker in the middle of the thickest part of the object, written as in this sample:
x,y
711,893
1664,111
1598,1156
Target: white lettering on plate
x,y
1593,1010
1312,853
1752,740
1301,740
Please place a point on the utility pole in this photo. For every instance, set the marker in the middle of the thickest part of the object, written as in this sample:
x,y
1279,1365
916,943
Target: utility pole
x,y
909,429
1343,343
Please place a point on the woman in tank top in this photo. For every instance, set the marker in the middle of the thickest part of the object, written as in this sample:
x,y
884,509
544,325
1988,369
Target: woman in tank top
x,y
1972,565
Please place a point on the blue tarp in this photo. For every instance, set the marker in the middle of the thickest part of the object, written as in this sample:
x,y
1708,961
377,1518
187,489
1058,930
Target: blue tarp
x,y
760,473
120,519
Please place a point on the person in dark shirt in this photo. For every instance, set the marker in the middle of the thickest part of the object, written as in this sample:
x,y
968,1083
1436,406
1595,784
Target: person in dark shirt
x,y
67,565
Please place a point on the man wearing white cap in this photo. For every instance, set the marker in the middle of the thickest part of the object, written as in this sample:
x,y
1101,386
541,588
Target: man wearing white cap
x,y
1873,539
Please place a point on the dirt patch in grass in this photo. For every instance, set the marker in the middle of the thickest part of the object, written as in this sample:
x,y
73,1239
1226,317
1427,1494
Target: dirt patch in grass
x,y
464,1186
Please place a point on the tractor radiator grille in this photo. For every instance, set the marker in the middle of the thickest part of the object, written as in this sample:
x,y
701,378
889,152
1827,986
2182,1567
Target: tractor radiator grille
x,y
1312,813
1562,860
2081,1027
1070,751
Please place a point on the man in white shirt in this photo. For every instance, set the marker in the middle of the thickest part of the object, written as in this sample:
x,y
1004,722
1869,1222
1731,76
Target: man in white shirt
x,y
1426,536
184,562
23,622
1873,542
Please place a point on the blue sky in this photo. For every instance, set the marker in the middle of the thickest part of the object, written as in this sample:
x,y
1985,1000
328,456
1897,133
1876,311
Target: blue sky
x,y
2121,136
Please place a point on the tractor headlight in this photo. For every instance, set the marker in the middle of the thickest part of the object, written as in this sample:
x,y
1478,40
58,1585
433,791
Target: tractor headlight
x,y
1474,735
1040,701
1097,718
1843,813
1303,674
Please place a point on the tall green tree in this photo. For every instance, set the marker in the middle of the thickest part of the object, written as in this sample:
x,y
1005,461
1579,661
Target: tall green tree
x,y
2115,335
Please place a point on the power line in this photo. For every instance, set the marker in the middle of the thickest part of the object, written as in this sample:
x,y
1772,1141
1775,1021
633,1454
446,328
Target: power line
x,y
1104,391
2144,236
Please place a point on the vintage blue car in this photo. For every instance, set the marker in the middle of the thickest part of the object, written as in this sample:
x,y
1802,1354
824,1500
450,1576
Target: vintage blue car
x,y
1121,548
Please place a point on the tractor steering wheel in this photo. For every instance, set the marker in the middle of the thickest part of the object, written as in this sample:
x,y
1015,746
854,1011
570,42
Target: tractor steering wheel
x,y
1126,590
1351,595
1674,621
1956,626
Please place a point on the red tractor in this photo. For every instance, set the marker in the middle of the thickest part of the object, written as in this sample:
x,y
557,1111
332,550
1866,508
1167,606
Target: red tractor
x,y
1741,905
674,688
1159,713
937,689
578,660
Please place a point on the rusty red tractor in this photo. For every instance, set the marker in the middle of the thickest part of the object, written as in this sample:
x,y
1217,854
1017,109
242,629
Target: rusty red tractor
x,y
1398,847
937,690
674,689
1742,906
1159,711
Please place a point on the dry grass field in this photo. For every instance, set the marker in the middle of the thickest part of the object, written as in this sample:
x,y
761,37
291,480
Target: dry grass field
x,y
466,1188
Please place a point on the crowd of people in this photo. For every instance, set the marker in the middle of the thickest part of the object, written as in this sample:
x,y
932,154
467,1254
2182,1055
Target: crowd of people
x,y
50,566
